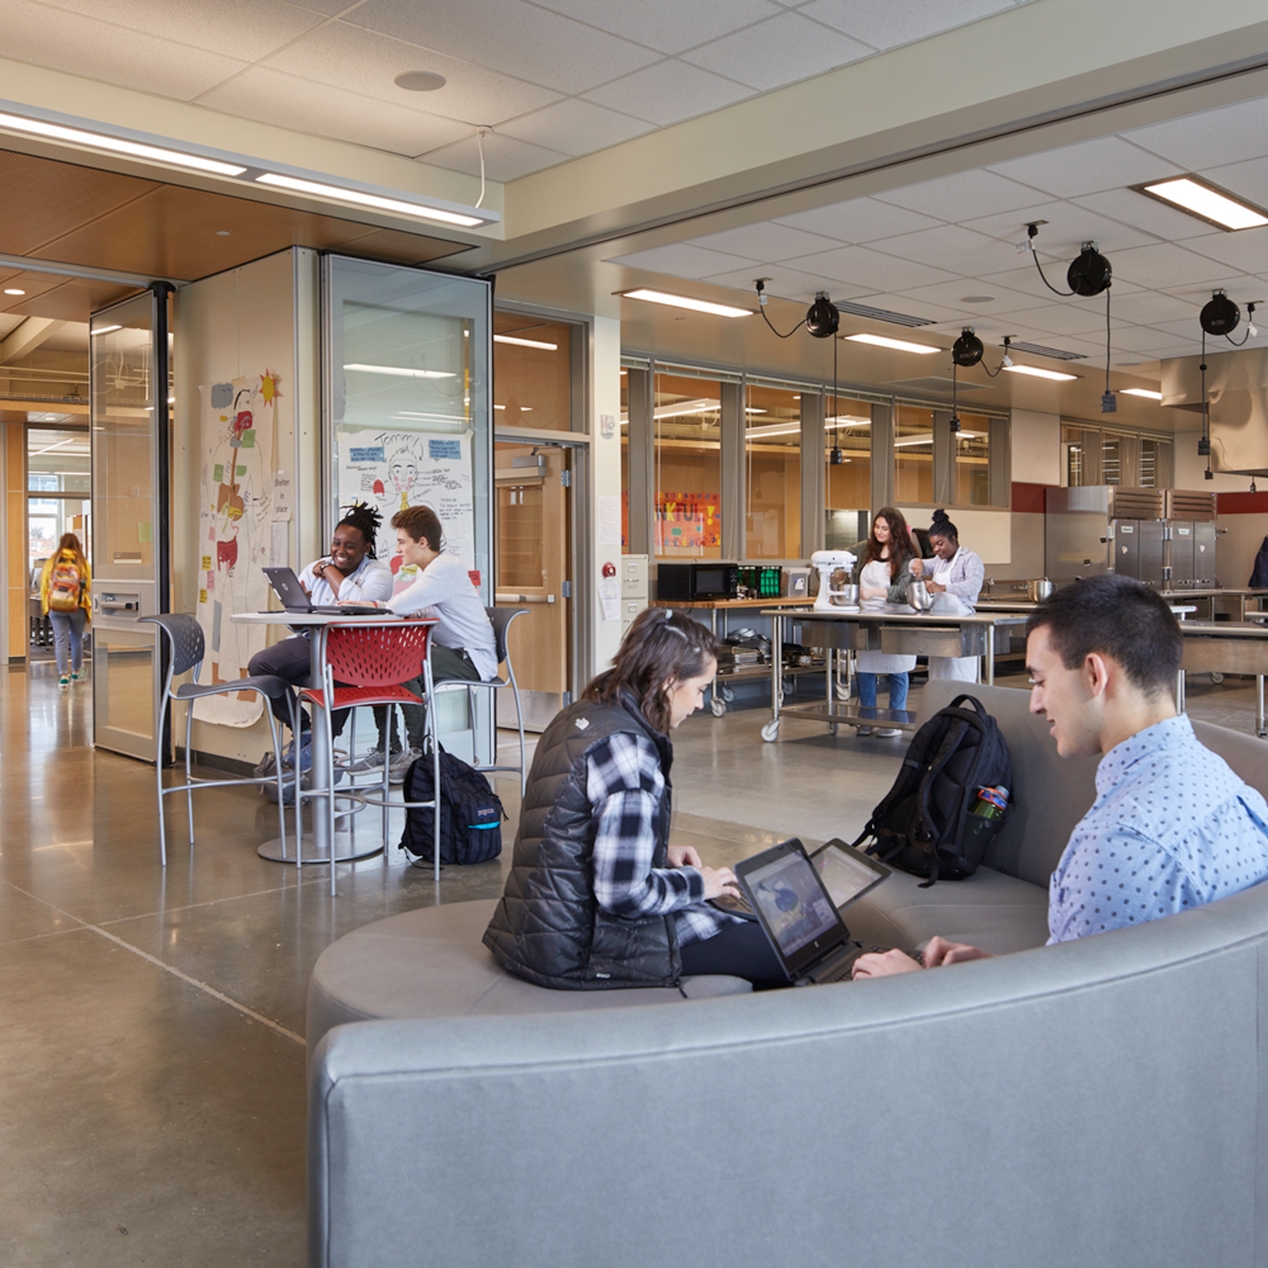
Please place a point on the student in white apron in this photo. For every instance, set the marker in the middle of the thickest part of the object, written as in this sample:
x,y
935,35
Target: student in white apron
x,y
884,575
954,577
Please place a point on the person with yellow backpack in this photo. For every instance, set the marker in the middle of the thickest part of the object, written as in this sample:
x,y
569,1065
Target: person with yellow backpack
x,y
66,599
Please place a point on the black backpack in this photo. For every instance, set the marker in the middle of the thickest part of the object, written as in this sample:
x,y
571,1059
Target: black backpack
x,y
470,812
924,826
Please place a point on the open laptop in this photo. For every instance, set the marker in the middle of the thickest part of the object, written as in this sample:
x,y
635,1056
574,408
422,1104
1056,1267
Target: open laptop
x,y
797,906
295,598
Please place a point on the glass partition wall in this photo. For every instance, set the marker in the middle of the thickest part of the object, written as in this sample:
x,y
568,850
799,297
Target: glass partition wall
x,y
772,472
407,371
687,417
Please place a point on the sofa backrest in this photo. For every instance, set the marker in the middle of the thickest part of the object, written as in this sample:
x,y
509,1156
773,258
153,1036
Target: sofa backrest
x,y
1051,794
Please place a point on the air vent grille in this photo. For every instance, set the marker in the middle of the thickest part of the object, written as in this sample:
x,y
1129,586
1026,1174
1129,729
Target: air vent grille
x,y
1185,505
882,314
1040,350
1136,504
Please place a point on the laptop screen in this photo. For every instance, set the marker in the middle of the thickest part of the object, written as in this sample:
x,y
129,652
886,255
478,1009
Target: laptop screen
x,y
845,873
794,906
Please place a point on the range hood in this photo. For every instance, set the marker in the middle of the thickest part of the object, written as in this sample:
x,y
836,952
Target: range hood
x,y
1237,388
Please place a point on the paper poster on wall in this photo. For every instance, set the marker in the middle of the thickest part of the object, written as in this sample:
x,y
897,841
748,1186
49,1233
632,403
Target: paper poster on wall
x,y
394,469
235,533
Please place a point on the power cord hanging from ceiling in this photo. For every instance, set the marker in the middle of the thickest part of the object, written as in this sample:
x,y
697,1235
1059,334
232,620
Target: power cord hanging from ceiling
x,y
1109,402
480,135
1204,445
1251,332
1032,232
761,308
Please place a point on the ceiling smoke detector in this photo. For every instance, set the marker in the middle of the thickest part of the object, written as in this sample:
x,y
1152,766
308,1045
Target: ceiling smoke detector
x,y
1089,272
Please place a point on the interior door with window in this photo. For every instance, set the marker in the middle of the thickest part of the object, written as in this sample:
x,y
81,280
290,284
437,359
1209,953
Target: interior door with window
x,y
533,529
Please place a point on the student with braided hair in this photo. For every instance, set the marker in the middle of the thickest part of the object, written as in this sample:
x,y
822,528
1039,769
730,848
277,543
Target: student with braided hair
x,y
349,573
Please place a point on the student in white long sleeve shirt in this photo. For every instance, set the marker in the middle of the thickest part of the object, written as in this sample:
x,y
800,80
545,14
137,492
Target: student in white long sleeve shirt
x,y
957,573
463,646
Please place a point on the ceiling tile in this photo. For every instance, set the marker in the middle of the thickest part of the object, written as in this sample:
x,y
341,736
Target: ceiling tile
x,y
287,102
245,30
864,267
1063,319
1178,330
1146,214
1147,308
1104,163
782,283
669,92
575,127
779,51
1246,249
951,294
1136,339
1068,227
884,24
766,241
962,196
1249,180
1025,277
668,25
510,36
859,220
1239,286
366,63
1210,139
79,45
1165,265
505,158
680,260
952,248
939,314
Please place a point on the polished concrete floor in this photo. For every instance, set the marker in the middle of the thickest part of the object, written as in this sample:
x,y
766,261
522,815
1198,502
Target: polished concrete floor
x,y
151,1054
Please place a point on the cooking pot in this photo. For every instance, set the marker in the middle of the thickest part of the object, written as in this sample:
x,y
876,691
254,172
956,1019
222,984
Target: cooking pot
x,y
1037,591
919,597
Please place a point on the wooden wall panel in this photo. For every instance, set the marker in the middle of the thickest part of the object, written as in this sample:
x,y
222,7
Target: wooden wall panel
x,y
15,537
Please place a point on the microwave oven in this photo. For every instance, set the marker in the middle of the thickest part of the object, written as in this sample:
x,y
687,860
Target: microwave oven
x,y
687,582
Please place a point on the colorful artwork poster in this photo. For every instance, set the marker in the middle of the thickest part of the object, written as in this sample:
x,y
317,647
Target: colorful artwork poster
x,y
234,514
687,523
394,469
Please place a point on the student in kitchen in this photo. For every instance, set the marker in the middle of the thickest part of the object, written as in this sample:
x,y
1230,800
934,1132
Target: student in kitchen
x,y
954,577
885,572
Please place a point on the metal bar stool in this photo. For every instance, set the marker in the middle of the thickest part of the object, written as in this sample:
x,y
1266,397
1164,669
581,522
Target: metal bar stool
x,y
500,619
186,647
370,662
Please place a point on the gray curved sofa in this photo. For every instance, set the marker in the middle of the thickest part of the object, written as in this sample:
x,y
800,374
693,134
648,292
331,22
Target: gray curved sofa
x,y
1093,1103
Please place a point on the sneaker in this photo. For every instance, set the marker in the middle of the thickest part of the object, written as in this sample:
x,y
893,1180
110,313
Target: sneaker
x,y
77,676
888,732
63,682
864,730
373,760
399,766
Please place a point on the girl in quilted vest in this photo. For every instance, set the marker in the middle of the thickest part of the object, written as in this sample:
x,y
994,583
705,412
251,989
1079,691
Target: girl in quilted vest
x,y
66,599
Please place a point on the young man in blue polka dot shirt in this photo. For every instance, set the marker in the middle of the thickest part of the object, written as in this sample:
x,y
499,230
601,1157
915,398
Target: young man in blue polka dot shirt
x,y
1172,826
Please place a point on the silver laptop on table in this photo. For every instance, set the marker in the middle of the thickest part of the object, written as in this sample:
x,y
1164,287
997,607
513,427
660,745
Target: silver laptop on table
x,y
295,598
796,903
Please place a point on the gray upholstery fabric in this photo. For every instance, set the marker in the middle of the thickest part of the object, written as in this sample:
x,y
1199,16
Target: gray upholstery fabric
x,y
431,963
1093,1103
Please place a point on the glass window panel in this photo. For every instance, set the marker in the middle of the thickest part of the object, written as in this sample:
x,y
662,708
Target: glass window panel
x,y
913,455
58,460
532,373
772,465
687,416
1081,452
1111,460
848,459
973,461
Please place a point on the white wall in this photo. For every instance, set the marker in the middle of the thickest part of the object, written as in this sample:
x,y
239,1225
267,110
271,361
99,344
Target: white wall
x,y
260,316
605,391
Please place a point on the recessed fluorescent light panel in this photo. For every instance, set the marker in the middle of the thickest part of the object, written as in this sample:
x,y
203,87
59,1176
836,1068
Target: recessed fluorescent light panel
x,y
899,345
1206,201
1142,391
117,145
1035,372
399,370
685,301
528,343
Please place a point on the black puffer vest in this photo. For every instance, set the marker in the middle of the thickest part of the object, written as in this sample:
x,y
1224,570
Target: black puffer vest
x,y
549,927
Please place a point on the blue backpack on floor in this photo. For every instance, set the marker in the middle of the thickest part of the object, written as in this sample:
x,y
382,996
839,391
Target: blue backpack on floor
x,y
470,813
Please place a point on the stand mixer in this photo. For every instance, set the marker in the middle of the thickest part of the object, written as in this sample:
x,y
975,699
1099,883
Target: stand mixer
x,y
836,591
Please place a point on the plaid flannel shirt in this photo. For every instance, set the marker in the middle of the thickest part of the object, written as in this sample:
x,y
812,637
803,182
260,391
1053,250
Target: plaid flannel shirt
x,y
624,783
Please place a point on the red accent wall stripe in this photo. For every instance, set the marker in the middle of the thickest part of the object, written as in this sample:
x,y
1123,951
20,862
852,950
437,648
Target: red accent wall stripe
x,y
1239,503
1029,498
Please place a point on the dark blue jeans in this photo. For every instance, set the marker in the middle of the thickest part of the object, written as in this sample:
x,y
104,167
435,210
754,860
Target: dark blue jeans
x,y
897,690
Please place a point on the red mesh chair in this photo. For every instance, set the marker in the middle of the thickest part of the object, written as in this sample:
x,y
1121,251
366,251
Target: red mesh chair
x,y
365,665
